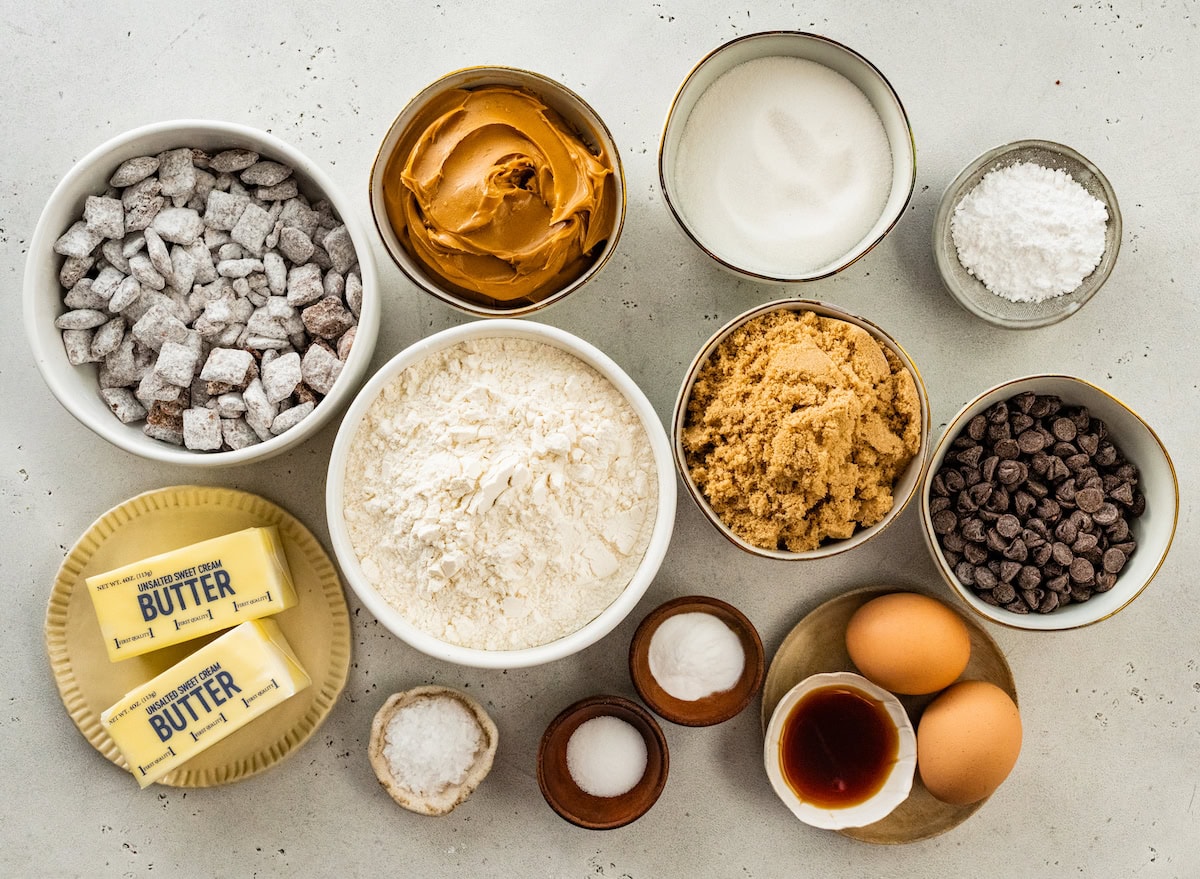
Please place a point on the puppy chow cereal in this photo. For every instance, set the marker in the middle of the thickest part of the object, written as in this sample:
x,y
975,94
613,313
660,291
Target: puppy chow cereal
x,y
189,277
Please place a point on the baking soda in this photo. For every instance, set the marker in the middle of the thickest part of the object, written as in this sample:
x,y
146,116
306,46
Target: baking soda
x,y
1029,233
783,166
693,655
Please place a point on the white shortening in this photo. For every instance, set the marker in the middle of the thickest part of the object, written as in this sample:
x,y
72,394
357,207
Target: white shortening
x,y
500,493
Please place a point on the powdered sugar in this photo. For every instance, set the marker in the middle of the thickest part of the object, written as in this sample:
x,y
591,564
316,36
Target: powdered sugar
x,y
1029,233
500,493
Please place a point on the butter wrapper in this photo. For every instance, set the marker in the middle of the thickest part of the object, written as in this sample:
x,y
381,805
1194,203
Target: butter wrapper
x,y
204,698
192,591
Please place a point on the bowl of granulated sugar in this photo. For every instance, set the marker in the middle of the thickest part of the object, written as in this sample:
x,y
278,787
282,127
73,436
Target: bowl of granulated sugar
x,y
500,494
1026,234
786,156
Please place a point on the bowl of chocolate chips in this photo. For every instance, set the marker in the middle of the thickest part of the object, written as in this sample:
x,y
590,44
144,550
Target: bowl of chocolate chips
x,y
1049,503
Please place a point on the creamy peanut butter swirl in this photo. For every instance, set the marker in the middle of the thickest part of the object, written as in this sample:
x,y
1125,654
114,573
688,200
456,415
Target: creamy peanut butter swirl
x,y
494,194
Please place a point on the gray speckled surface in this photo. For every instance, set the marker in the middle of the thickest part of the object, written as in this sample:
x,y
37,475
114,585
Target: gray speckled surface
x,y
1107,781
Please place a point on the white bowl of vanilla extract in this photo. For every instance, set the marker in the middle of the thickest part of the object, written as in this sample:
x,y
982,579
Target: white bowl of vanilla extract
x,y
840,751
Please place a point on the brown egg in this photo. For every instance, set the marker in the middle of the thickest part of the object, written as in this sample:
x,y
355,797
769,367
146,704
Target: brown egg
x,y
967,742
908,643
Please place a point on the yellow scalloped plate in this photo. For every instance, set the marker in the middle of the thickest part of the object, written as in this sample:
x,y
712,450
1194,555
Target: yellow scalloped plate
x,y
317,627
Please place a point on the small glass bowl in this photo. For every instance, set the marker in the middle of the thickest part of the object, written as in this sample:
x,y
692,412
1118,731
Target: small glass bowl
x,y
969,291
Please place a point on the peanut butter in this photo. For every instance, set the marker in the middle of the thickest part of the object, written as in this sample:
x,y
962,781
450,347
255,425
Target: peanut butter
x,y
495,195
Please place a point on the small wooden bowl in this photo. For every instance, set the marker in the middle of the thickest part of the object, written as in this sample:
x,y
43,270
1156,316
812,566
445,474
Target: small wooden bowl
x,y
713,709
564,795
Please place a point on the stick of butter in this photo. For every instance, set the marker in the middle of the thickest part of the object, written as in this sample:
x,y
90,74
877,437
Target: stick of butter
x,y
204,698
192,591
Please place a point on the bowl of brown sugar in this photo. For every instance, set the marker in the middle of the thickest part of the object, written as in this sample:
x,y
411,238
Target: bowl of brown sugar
x,y
801,430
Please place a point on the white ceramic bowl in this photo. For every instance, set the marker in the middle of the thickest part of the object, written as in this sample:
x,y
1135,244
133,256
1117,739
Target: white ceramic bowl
x,y
896,786
968,291
664,519
570,106
77,387
1153,530
905,486
831,54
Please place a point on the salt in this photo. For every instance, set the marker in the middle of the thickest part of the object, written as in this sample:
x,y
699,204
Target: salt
x,y
1029,233
606,756
783,166
431,744
693,655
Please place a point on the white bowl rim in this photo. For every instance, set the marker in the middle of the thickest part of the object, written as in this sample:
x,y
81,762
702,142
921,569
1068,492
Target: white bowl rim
x,y
852,256
111,428
1033,621
608,618
896,787
822,309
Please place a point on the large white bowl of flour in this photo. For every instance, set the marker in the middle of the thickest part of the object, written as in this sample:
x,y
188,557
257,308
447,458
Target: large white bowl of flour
x,y
500,494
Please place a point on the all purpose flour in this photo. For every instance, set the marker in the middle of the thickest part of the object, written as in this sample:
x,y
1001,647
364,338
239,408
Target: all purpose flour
x,y
500,493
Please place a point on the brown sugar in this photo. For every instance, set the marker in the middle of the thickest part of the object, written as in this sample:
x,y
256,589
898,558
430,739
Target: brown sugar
x,y
797,427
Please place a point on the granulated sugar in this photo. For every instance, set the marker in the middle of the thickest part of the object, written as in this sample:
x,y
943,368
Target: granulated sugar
x,y
1029,233
500,493
783,166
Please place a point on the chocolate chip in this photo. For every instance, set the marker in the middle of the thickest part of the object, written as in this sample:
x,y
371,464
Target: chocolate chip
x,y
996,541
1106,515
1062,554
1082,572
965,572
1024,503
1049,602
937,504
975,553
1089,443
1122,494
1114,560
1030,441
1004,593
954,481
1024,401
1085,542
998,413
1081,417
1029,577
973,530
1139,504
1007,449
977,427
1041,555
1008,526
1011,472
988,468
944,521
1106,455
1017,551
1105,581
1063,429
970,456
953,542
1089,500
985,579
